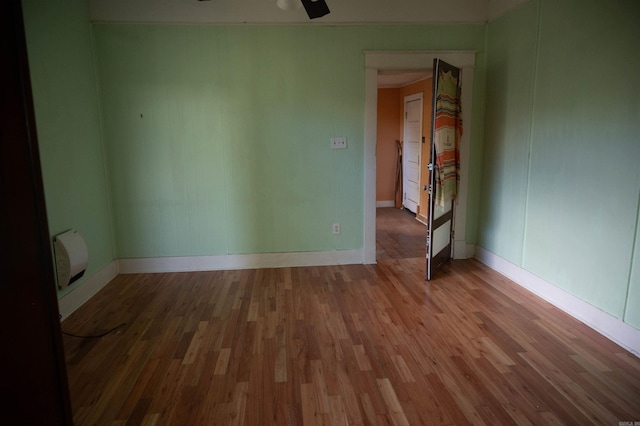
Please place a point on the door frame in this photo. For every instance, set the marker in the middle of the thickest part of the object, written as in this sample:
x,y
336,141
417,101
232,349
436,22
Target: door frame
x,y
34,357
394,60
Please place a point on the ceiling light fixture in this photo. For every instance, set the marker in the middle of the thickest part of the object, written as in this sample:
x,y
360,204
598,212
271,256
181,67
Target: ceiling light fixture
x,y
289,4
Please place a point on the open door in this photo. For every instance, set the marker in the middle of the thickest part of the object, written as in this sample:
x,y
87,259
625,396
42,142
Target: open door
x,y
34,375
444,164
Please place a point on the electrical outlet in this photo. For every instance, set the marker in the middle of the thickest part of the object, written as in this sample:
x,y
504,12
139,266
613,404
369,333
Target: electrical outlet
x,y
339,143
336,229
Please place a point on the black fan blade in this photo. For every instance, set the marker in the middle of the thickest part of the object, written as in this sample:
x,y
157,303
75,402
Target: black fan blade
x,y
315,8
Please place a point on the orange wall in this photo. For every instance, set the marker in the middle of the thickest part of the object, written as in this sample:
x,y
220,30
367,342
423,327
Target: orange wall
x,y
389,129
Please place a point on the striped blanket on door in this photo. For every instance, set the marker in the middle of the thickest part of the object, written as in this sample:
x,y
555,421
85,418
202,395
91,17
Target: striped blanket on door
x,y
447,134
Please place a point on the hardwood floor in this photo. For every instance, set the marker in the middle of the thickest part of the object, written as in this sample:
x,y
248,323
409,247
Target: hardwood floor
x,y
358,344
399,235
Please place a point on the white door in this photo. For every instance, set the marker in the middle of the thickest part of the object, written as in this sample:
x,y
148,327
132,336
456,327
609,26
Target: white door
x,y
411,152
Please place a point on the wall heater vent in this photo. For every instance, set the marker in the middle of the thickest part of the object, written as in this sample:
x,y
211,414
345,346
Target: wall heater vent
x,y
71,256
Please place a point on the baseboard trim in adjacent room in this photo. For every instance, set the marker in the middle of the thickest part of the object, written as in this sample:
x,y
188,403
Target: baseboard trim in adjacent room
x,y
87,289
606,324
239,261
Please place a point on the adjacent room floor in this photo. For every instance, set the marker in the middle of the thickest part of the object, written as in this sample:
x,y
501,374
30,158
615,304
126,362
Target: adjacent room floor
x,y
358,344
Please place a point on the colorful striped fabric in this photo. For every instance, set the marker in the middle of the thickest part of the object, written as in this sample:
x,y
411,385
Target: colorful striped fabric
x,y
448,130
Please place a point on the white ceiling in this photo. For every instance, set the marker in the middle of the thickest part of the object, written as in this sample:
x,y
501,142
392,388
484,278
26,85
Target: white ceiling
x,y
266,11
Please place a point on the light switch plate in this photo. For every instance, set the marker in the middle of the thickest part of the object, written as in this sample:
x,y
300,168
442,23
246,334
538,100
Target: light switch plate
x,y
339,143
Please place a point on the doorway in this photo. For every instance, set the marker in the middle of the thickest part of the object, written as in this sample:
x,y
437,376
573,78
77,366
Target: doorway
x,y
375,62
402,97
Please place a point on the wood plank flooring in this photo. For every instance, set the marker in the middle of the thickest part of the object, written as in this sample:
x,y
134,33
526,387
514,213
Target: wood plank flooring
x,y
338,345
399,235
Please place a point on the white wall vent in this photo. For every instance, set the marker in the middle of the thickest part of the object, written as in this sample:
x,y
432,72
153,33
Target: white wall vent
x,y
71,256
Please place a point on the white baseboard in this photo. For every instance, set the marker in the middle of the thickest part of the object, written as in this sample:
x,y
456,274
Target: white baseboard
x,y
239,261
385,203
606,324
77,297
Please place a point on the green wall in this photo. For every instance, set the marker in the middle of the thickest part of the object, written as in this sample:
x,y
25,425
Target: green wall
x,y
67,109
510,74
218,136
561,182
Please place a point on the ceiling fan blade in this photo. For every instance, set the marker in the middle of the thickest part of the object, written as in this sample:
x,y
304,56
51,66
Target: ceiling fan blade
x,y
315,8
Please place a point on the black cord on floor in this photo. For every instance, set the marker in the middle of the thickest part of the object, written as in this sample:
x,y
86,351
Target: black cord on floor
x,y
98,335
